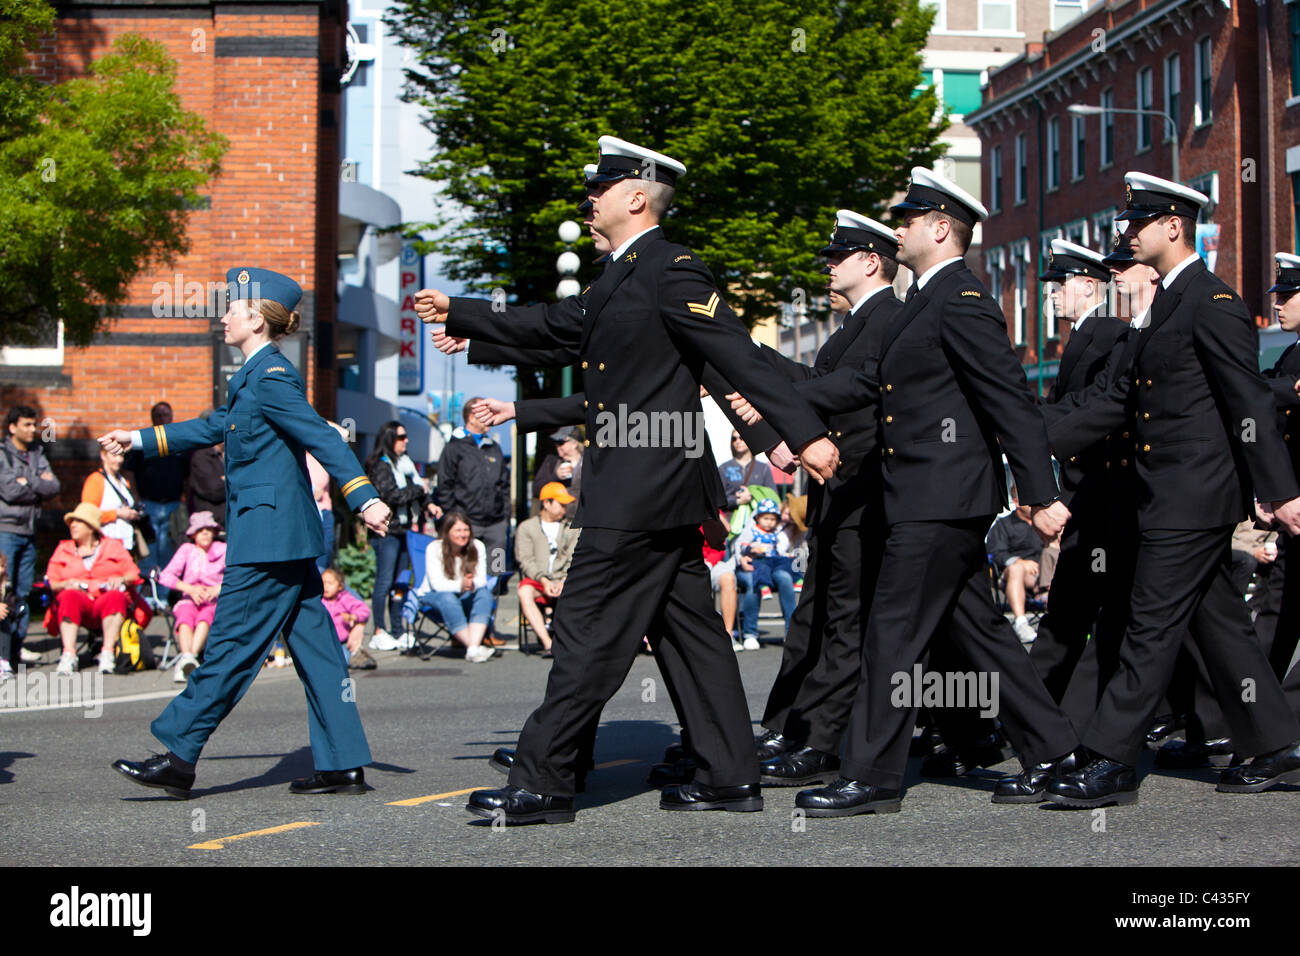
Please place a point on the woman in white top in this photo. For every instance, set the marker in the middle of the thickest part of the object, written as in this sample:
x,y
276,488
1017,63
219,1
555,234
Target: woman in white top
x,y
455,584
110,492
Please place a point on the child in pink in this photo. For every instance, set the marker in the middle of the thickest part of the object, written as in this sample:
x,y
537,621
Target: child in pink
x,y
349,614
196,570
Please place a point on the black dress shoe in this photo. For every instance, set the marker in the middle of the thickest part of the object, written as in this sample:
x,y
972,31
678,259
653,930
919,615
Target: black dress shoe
x,y
959,761
746,798
503,759
798,768
157,772
1100,783
846,798
1163,726
515,805
331,781
928,741
1030,786
1185,755
769,744
668,774
1265,771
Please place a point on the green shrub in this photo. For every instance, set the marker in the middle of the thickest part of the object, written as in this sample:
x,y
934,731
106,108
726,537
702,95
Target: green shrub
x,y
357,563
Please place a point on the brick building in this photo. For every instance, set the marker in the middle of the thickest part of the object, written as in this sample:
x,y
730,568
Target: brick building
x,y
265,75
1279,88
1048,173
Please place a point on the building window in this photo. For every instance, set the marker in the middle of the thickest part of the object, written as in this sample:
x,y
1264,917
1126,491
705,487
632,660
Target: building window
x,y
997,16
995,263
961,91
1295,211
1076,232
1020,302
1204,111
1174,90
1054,152
940,13
1022,169
1107,128
1080,146
995,178
1144,102
1294,11
1103,230
47,350
1063,11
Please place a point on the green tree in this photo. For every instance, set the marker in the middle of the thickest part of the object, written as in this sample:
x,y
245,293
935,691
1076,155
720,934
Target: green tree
x,y
781,111
96,177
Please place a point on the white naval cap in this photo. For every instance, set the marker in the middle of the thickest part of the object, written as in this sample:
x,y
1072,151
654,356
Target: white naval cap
x,y
930,191
1146,196
1068,258
854,232
1287,273
620,159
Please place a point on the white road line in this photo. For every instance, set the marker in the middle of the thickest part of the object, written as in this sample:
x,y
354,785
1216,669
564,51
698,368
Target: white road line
x,y
89,704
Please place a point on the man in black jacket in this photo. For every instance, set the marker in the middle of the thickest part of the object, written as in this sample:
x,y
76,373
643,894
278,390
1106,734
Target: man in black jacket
x,y
952,398
1204,433
644,329
473,478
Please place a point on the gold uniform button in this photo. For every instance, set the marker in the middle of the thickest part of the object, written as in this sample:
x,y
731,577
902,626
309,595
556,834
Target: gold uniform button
x,y
1107,464
584,403
586,443
1288,411
584,363
232,428
1124,462
1146,447
1136,381
1126,434
839,434
600,367
889,388
1073,459
889,419
1149,383
1146,416
600,406
891,451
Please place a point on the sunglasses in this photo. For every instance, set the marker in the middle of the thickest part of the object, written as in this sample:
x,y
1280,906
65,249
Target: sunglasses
x,y
400,437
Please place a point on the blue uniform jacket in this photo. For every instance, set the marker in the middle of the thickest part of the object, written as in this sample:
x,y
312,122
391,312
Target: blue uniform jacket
x,y
268,428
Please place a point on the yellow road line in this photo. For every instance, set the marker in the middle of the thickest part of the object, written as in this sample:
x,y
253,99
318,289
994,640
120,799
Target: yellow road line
x,y
614,763
416,801
218,844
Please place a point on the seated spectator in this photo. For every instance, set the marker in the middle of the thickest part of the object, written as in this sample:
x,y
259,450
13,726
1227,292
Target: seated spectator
x,y
1253,552
565,466
88,576
544,549
196,570
9,617
1026,565
349,614
794,522
739,474
770,562
455,584
722,575
110,491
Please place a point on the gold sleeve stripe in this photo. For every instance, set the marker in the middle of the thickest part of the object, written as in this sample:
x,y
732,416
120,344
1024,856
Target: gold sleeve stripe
x,y
354,484
160,436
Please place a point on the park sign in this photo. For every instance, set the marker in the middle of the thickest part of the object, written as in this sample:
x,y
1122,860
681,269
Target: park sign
x,y
410,354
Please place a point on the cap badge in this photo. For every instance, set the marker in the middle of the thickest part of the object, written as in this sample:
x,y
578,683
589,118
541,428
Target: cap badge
x,y
1128,193
242,277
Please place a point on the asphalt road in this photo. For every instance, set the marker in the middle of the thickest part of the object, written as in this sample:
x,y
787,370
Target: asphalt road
x,y
432,726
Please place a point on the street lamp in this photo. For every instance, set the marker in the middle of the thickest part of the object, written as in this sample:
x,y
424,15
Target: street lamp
x,y
1087,109
567,266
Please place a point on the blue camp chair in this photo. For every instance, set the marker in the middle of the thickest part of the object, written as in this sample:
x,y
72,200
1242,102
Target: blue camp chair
x,y
423,621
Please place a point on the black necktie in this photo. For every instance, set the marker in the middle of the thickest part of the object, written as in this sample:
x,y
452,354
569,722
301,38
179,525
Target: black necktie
x,y
911,291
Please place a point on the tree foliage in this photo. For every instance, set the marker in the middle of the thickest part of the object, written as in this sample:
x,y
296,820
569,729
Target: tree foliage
x,y
96,177
781,111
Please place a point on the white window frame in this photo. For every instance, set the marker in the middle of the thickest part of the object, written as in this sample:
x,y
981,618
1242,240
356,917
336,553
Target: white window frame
x,y
1202,112
941,13
1022,169
1010,4
1173,87
19,356
995,264
1020,302
1079,6
1144,93
1103,227
1052,161
1050,330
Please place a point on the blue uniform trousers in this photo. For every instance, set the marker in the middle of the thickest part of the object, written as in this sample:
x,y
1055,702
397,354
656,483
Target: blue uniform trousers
x,y
257,603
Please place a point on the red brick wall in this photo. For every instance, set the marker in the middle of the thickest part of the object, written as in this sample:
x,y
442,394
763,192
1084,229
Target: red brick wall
x,y
275,205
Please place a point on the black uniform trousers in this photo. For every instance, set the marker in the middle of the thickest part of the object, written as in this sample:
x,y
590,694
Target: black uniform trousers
x,y
821,662
1077,647
624,585
1277,618
934,583
1181,575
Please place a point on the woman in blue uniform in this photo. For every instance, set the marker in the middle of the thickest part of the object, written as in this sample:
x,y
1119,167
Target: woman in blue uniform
x,y
274,536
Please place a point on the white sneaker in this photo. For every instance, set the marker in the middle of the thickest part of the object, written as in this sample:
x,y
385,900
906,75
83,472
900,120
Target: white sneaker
x,y
67,664
406,641
1024,630
178,671
383,641
188,664
477,655
30,657
737,646
106,664
751,643
6,672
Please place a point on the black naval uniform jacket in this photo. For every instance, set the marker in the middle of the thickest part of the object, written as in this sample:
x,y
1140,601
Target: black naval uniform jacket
x,y
952,399
1093,474
645,330
855,489
1281,380
1205,437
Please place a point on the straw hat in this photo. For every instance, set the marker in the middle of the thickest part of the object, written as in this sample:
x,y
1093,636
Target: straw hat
x,y
86,512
